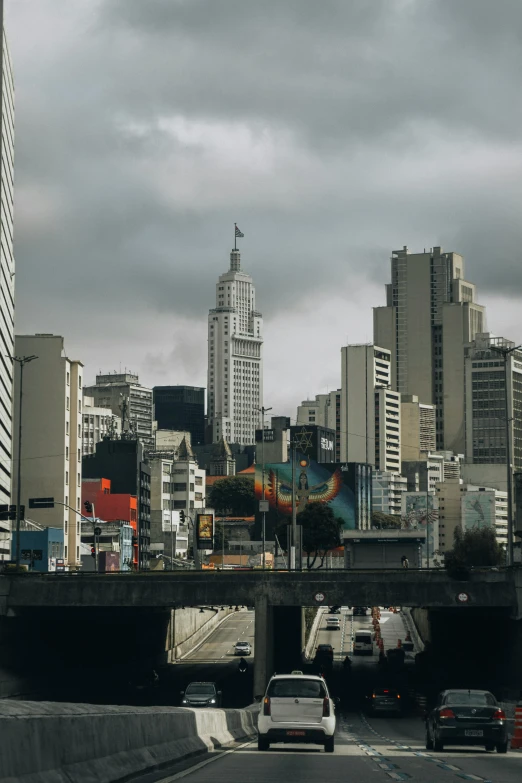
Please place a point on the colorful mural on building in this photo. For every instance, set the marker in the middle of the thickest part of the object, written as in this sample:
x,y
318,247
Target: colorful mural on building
x,y
337,484
420,509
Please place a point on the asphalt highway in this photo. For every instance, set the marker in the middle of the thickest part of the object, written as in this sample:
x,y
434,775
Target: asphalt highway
x,y
368,750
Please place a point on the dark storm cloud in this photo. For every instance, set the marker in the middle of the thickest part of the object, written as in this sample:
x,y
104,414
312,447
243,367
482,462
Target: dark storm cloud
x,y
333,132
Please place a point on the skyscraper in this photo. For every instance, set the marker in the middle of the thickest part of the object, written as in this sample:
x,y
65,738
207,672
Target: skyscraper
x,y
7,270
181,408
370,409
486,403
235,364
430,315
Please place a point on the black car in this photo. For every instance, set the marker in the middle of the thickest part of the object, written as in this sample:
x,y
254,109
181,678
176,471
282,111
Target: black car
x,y
334,610
360,611
467,717
201,694
387,700
324,656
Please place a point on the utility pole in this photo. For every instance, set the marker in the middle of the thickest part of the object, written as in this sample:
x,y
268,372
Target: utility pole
x,y
505,351
263,410
293,564
22,361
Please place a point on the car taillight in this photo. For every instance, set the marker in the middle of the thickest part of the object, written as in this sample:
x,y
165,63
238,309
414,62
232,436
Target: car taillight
x,y
266,706
326,707
398,695
499,715
446,713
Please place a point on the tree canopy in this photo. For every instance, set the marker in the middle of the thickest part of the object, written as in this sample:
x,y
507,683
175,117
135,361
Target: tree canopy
x,y
321,532
233,495
384,521
475,547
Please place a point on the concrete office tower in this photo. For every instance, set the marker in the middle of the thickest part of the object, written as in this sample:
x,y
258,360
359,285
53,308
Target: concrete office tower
x,y
7,270
98,423
417,427
486,407
370,417
127,398
235,363
430,315
51,435
325,411
181,408
387,491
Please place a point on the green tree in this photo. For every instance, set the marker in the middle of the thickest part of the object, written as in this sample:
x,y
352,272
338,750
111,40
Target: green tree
x,y
234,496
321,532
383,521
475,547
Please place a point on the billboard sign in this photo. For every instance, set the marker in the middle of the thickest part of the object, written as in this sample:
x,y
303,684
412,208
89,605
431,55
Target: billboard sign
x,y
205,531
331,483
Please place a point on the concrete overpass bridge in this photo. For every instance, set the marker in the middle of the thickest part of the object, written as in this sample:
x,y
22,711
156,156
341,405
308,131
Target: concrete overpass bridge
x,y
113,617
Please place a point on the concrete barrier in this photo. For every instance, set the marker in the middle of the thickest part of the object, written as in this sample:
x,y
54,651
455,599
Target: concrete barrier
x,y
309,650
208,626
44,742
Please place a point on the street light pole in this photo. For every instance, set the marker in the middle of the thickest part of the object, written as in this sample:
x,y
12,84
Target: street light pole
x,y
293,548
263,410
22,361
509,464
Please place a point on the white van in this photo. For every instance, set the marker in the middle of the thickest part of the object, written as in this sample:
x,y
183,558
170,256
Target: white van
x,y
363,644
333,623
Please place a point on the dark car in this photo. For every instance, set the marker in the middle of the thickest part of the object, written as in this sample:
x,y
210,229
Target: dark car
x,y
467,717
324,655
360,611
201,694
334,610
384,700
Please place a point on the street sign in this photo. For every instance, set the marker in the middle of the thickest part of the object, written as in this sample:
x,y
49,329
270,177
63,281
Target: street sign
x,y
463,598
319,598
97,531
9,512
264,506
41,502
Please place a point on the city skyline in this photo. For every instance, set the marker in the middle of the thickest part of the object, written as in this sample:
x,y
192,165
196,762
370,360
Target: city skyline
x,y
130,237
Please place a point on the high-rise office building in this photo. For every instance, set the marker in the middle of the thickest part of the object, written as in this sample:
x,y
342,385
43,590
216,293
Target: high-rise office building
x,y
126,397
370,417
486,405
235,363
51,436
181,408
325,411
417,427
7,271
430,315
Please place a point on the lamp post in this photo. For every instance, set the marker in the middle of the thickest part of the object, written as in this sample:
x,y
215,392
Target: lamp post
x,y
293,547
505,351
22,361
263,410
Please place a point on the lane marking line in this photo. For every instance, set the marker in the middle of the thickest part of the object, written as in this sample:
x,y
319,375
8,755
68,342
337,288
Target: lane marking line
x,y
184,773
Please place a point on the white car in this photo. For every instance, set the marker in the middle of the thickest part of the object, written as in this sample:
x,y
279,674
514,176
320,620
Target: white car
x,y
242,648
297,708
333,623
363,644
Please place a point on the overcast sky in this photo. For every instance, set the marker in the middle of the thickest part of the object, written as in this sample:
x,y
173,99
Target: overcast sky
x,y
332,132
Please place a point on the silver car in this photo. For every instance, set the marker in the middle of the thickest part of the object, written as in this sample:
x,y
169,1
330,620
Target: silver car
x,y
201,694
242,648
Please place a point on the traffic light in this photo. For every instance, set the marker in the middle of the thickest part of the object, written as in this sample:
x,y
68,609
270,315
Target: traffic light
x,y
93,551
182,516
88,506
134,540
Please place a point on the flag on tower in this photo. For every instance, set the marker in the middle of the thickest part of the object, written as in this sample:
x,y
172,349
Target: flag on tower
x,y
238,232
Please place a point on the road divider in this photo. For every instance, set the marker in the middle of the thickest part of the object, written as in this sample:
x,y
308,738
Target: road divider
x,y
45,742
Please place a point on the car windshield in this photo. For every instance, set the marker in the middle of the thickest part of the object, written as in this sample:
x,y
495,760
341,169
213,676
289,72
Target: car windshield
x,y
365,638
200,689
475,699
297,688
242,644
